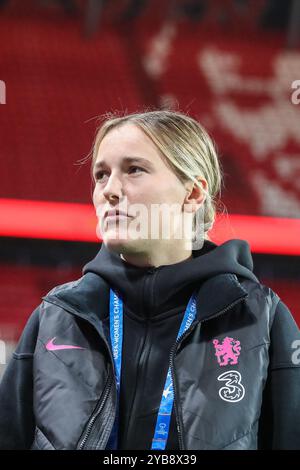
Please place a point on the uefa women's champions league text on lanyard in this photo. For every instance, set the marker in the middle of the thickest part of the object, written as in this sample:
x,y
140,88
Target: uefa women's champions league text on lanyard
x,y
161,432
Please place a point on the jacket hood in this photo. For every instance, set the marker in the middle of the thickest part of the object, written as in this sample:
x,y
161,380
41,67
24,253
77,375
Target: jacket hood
x,y
169,287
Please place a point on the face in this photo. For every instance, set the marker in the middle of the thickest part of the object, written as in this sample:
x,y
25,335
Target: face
x,y
131,176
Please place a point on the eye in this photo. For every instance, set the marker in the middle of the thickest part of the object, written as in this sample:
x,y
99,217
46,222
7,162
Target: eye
x,y
98,176
136,168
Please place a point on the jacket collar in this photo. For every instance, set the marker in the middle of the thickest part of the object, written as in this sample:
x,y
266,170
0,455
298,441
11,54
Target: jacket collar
x,y
165,290
217,294
88,297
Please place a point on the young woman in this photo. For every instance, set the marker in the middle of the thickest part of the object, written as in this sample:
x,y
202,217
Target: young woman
x,y
167,341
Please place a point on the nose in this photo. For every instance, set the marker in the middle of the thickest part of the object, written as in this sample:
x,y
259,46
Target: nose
x,y
113,188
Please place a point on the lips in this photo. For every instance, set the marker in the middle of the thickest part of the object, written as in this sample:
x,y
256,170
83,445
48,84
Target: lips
x,y
115,213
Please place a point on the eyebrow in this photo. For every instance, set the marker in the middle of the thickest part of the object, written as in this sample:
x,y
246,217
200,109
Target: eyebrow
x,y
127,160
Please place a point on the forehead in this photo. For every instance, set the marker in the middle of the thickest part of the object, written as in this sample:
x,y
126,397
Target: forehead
x,y
128,139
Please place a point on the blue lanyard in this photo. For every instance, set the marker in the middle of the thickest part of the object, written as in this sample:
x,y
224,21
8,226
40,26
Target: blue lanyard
x,y
116,338
161,432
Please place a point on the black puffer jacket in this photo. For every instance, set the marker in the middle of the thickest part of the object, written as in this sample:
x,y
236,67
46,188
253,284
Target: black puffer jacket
x,y
236,371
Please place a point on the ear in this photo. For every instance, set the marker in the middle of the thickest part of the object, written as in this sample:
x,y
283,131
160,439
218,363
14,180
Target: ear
x,y
195,196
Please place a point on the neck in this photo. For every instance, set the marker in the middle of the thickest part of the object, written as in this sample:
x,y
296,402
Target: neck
x,y
157,258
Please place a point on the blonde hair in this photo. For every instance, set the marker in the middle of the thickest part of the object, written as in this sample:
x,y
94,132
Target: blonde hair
x,y
188,150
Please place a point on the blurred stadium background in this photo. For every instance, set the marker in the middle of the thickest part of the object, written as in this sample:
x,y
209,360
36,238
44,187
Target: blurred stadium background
x,y
231,64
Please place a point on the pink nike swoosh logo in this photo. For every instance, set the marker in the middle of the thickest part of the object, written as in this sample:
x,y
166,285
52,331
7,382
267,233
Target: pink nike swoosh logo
x,y
55,347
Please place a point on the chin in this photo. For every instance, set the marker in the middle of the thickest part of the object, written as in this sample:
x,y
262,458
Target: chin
x,y
113,244
124,246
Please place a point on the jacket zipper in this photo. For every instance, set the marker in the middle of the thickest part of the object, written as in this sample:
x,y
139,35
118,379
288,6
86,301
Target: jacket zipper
x,y
149,280
171,362
98,410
